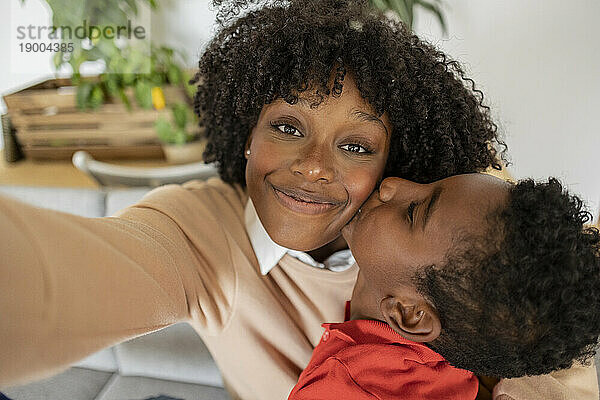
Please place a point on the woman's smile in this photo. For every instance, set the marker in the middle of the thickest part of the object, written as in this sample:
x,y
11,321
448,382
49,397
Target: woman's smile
x,y
305,202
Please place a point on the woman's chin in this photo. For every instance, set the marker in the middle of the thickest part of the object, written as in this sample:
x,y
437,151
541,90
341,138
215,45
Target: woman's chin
x,y
297,237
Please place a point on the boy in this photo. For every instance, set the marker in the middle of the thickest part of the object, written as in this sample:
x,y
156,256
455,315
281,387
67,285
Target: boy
x,y
499,279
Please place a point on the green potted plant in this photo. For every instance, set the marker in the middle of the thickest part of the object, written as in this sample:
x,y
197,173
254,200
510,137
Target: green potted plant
x,y
182,142
405,9
137,74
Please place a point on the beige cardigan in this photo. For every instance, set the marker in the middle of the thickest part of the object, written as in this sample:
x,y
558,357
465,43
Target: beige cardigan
x,y
71,285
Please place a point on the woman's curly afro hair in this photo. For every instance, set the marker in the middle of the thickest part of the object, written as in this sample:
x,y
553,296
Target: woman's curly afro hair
x,y
529,302
285,48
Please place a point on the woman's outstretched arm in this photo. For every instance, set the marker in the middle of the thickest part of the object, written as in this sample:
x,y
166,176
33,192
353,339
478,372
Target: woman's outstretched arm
x,y
71,285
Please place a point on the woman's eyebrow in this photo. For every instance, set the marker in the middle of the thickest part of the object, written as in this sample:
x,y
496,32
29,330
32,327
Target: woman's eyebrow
x,y
356,113
431,207
367,117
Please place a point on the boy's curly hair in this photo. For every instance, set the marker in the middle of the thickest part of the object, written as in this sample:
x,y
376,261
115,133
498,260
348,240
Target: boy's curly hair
x,y
529,302
285,48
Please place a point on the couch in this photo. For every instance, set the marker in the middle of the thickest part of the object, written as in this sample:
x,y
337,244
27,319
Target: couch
x,y
172,362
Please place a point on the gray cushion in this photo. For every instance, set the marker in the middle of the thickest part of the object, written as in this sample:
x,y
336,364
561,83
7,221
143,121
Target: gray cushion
x,y
84,202
103,360
73,384
176,353
118,199
137,388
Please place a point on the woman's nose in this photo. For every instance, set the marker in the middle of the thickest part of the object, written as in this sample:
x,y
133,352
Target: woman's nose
x,y
398,188
314,165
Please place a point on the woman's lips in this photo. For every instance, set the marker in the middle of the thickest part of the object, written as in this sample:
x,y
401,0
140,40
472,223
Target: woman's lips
x,y
304,202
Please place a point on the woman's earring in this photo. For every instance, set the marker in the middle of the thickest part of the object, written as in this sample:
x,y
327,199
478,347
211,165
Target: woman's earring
x,y
247,153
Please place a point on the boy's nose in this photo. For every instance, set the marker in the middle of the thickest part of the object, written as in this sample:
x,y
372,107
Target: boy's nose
x,y
398,188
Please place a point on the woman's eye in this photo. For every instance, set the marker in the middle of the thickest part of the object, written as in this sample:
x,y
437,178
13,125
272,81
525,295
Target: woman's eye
x,y
355,148
288,130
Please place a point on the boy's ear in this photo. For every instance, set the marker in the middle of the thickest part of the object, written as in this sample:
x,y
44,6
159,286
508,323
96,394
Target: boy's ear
x,y
411,317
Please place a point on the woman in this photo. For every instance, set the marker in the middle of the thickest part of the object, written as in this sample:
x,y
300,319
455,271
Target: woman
x,y
306,106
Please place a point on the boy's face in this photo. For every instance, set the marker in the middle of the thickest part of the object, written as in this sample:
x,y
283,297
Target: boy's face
x,y
310,169
405,226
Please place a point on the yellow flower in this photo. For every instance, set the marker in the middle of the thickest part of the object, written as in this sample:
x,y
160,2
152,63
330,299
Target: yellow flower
x,y
158,98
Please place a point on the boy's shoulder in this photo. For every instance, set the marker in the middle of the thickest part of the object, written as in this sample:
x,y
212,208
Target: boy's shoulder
x,y
368,356
371,341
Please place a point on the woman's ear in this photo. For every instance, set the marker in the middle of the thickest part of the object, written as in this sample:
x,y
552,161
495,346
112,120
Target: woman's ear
x,y
412,317
247,150
247,145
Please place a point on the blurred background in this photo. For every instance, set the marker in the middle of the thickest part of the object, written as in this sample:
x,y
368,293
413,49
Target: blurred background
x,y
538,64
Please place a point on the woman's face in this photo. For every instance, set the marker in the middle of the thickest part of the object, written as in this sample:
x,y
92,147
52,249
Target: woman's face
x,y
310,169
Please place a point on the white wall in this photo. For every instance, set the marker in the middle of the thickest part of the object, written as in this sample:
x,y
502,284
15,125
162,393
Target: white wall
x,y
538,63
38,13
184,24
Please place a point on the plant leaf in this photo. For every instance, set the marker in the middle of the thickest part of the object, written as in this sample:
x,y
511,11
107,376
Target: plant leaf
x,y
190,88
174,74
380,4
83,93
410,8
180,136
143,94
112,84
96,97
164,131
180,115
132,4
437,11
400,8
124,98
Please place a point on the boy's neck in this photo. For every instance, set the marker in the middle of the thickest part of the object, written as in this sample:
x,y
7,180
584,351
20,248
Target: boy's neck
x,y
322,253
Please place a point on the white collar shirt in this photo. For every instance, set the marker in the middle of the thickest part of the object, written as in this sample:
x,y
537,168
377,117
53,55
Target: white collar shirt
x,y
268,253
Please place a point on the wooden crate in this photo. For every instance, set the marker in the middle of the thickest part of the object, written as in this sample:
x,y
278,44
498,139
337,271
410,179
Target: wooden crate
x,y
12,151
49,125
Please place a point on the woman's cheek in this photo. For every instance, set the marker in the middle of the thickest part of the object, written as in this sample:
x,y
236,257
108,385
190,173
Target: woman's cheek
x,y
264,158
361,184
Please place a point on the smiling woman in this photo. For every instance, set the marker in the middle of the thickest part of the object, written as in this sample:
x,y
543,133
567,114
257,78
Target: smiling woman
x,y
319,163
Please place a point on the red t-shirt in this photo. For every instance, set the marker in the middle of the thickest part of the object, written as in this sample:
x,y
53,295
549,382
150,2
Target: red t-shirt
x,y
364,359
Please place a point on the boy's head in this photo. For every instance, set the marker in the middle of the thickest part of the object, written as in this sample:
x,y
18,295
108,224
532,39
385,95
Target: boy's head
x,y
500,279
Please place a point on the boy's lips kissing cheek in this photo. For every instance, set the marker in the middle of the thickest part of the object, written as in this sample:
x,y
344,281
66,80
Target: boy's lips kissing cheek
x,y
348,230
